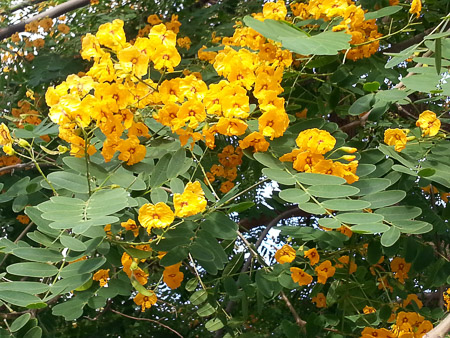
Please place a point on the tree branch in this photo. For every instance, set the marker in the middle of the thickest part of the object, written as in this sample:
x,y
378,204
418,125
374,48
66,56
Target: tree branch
x,y
441,330
23,5
52,13
398,47
300,322
23,166
147,320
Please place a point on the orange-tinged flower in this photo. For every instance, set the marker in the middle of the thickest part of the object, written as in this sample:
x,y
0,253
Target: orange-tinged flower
x,y
369,309
138,129
306,160
400,268
324,271
368,332
226,186
395,137
131,225
315,141
255,140
155,216
285,254
154,19
412,297
140,275
320,300
166,57
172,276
345,260
102,276
126,261
191,201
416,7
429,123
131,150
408,320
301,277
145,302
193,112
312,255
24,219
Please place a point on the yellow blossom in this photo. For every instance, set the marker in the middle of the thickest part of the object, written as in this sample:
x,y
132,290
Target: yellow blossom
x,y
429,123
285,254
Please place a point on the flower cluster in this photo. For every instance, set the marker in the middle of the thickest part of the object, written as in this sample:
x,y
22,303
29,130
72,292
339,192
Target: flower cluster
x,y
229,158
309,156
364,32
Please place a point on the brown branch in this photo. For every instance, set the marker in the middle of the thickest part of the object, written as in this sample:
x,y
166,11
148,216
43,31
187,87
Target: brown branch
x,y
441,330
398,47
147,320
300,322
24,166
23,5
51,13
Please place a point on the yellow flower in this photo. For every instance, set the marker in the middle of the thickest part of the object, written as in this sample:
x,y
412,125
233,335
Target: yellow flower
x,y
231,126
102,276
324,271
132,61
226,186
24,219
191,201
301,277
275,11
145,302
429,123
315,141
153,19
400,268
8,150
166,57
131,225
306,160
320,300
416,7
395,137
155,216
345,260
172,276
5,136
368,309
312,255
273,123
112,35
140,276
285,255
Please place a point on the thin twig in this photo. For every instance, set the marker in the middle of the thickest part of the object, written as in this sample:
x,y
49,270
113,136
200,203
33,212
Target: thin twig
x,y
300,322
147,320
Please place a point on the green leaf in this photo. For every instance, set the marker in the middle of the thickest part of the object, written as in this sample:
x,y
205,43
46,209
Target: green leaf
x,y
206,310
334,192
221,226
174,256
20,322
18,298
176,185
312,208
359,218
370,228
400,57
319,179
117,199
72,243
72,182
70,283
38,254
427,172
326,43
35,332
386,11
201,253
32,288
399,213
331,223
158,195
159,175
240,207
294,195
384,198
390,237
364,169
368,186
268,160
374,253
70,310
174,167
438,54
422,82
198,297
371,86
345,204
214,324
191,285
412,227
82,267
32,269
279,176
361,105
273,29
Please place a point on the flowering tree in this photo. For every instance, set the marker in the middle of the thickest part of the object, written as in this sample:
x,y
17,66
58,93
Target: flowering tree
x,y
147,163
